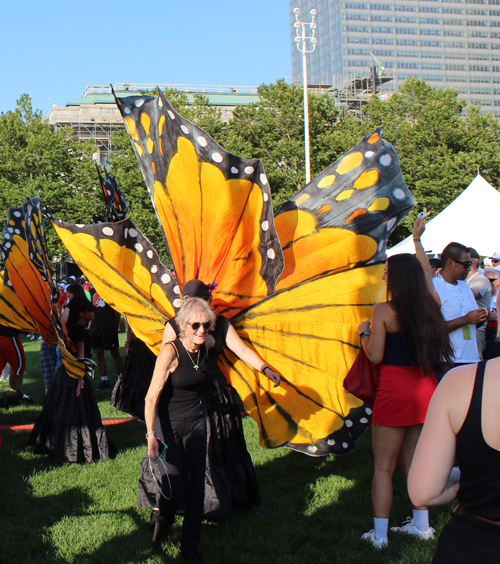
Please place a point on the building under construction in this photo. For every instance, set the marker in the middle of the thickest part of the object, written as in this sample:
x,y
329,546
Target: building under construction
x,y
95,115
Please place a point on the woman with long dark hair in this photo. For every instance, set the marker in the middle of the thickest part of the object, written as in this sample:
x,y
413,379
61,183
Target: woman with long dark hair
x,y
409,338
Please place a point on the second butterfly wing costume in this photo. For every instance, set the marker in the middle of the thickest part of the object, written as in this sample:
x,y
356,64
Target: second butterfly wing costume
x,y
70,427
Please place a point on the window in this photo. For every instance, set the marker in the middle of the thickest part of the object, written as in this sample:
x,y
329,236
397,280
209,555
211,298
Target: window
x,y
381,7
431,43
432,54
456,67
406,19
406,8
407,30
361,28
365,17
413,42
478,46
355,39
407,65
382,29
454,33
408,53
430,31
480,68
383,41
432,66
478,34
376,18
432,21
477,23
455,55
449,21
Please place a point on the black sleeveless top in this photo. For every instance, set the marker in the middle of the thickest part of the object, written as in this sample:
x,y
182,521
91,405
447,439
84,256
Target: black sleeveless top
x,y
184,388
396,352
219,334
479,464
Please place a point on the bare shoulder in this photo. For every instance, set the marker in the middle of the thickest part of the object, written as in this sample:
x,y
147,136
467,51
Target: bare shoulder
x,y
383,309
454,393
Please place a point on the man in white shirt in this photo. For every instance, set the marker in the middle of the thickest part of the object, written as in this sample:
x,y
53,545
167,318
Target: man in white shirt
x,y
458,305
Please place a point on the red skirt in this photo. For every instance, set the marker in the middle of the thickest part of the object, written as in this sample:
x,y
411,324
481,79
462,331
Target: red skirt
x,y
403,396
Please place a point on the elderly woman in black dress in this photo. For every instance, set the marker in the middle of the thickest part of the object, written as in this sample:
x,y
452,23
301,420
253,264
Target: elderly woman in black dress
x,y
175,417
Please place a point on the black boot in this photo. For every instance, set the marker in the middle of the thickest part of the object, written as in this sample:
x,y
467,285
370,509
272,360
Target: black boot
x,y
160,530
191,556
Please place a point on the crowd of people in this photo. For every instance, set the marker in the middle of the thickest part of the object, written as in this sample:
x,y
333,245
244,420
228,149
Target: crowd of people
x,y
432,339
435,414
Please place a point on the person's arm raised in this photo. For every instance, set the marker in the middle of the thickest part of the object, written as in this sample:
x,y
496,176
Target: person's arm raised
x,y
418,230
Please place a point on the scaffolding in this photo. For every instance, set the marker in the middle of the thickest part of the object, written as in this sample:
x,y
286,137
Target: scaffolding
x,y
352,92
186,88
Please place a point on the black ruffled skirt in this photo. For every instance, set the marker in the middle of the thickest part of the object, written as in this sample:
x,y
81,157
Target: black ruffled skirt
x,y
230,480
131,388
70,428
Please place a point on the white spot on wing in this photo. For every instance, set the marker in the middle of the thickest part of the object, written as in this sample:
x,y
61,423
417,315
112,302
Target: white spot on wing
x,y
265,225
132,233
177,303
150,253
391,223
138,247
249,169
385,160
107,231
184,129
177,290
234,170
202,141
139,102
331,442
217,157
165,278
263,179
271,254
369,154
266,197
171,114
154,269
399,194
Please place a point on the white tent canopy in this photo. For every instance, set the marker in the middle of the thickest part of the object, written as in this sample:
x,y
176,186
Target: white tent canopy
x,y
472,219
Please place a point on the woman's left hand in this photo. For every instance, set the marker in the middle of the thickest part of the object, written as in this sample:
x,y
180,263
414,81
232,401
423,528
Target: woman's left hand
x,y
79,388
364,327
273,376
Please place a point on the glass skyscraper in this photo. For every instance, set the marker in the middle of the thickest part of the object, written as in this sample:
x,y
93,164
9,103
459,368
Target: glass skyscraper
x,y
448,43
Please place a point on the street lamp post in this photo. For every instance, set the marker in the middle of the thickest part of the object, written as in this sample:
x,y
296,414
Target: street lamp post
x,y
301,40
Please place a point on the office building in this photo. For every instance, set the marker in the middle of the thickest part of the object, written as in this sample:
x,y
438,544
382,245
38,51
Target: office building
x,y
447,43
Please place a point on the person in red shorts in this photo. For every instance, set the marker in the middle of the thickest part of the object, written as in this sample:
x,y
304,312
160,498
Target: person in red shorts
x,y
12,351
409,338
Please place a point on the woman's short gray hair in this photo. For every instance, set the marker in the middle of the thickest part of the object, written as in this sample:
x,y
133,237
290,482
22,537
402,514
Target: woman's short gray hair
x,y
192,305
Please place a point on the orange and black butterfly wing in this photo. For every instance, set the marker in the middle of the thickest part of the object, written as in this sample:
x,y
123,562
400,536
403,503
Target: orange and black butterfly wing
x,y
345,215
126,272
215,208
116,204
334,234
12,311
27,273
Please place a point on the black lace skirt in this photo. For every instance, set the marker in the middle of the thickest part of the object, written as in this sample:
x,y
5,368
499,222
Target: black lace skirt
x,y
131,388
70,428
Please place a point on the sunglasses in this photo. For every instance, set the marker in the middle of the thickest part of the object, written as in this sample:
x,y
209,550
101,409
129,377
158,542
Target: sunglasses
x,y
196,325
495,260
466,263
492,280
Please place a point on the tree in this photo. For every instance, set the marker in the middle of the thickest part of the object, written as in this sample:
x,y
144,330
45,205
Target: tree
x,y
273,131
33,157
440,142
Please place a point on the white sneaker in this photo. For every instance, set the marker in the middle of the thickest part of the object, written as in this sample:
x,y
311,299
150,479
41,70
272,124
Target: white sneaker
x,y
410,529
379,544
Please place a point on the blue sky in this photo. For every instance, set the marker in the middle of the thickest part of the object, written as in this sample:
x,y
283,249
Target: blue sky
x,y
53,50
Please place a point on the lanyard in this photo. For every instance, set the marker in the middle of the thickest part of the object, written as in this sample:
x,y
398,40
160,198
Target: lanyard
x,y
461,301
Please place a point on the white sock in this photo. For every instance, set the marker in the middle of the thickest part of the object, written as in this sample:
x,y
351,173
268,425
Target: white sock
x,y
381,526
421,519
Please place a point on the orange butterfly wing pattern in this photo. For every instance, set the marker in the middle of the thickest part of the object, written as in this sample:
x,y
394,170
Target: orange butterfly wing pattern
x,y
215,208
27,273
334,234
13,312
127,273
345,215
116,204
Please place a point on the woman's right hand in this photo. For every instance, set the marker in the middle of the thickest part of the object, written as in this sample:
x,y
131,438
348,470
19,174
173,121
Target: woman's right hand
x,y
153,448
418,228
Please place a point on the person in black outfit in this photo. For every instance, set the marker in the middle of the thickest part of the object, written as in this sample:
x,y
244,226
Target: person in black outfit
x,y
463,425
175,417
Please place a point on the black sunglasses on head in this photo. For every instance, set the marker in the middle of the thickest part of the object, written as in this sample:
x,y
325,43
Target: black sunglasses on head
x,y
466,263
196,325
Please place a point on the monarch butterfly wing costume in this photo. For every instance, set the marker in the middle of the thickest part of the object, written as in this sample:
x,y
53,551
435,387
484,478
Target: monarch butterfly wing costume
x,y
127,273
214,208
12,311
116,204
334,234
27,272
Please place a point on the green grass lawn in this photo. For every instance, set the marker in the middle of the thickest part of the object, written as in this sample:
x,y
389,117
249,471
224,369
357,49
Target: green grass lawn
x,y
314,510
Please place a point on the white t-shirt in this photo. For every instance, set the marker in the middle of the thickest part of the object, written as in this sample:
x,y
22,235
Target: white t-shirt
x,y
457,301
